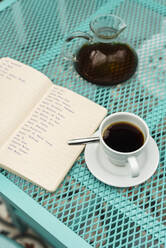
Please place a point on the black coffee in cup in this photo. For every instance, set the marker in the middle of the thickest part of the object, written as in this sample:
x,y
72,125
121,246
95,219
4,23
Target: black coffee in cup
x,y
123,137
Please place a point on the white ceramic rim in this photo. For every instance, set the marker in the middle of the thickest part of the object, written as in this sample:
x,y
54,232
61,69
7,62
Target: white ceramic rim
x,y
124,153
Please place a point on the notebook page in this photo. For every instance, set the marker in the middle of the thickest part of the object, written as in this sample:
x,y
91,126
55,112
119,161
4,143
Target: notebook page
x,y
21,87
38,150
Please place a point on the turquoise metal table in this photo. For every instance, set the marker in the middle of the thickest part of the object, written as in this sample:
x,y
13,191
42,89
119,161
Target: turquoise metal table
x,y
84,212
6,242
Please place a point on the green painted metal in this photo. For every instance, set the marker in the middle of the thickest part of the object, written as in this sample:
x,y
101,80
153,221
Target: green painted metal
x,y
9,243
33,32
20,205
6,3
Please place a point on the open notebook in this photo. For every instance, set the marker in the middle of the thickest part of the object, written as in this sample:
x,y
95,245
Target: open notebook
x,y
37,119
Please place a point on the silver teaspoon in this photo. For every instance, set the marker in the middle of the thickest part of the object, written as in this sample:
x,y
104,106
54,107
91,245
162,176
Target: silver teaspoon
x,y
84,141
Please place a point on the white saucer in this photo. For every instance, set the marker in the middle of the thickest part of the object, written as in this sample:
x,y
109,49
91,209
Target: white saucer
x,y
105,171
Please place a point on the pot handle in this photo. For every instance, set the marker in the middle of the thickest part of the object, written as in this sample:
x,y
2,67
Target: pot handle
x,y
75,35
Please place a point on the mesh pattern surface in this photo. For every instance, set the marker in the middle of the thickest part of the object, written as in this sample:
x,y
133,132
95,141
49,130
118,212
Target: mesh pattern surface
x,y
33,32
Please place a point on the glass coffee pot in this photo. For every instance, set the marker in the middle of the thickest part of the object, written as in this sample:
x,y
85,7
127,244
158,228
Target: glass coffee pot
x,y
103,59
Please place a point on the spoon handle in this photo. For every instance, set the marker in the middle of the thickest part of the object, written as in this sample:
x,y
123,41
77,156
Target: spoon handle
x,y
81,141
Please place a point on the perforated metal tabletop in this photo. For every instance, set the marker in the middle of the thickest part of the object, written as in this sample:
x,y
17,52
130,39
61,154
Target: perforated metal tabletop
x,y
33,32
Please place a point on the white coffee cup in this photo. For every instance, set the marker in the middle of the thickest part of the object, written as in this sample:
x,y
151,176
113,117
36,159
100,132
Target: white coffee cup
x,y
123,158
